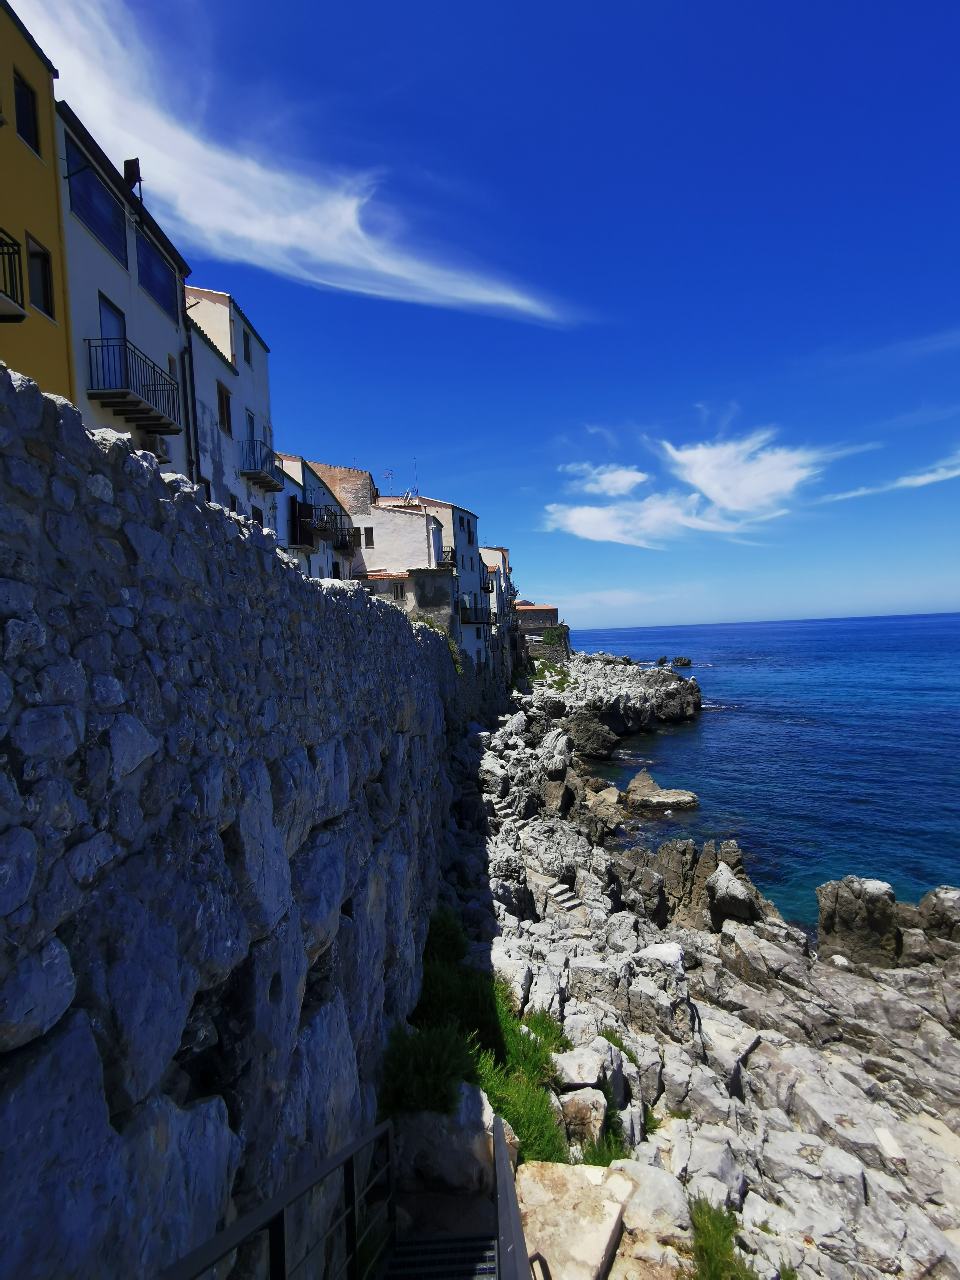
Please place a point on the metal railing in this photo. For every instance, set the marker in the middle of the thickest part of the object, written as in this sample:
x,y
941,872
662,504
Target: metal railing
x,y
258,460
475,613
449,556
355,1240
332,525
116,365
512,1260
11,269
487,586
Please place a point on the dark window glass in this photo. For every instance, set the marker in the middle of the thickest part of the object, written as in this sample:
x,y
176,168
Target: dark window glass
x,y
368,536
25,106
233,502
156,275
257,513
40,277
461,522
94,204
398,592
335,569
246,347
356,537
223,409
207,491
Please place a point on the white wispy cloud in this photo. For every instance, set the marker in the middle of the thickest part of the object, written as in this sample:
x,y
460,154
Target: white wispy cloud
x,y
946,469
647,523
608,436
749,474
313,226
608,479
931,344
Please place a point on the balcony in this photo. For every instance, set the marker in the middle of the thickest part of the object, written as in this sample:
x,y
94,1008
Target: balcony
x,y
258,463
487,586
125,380
12,309
448,556
478,614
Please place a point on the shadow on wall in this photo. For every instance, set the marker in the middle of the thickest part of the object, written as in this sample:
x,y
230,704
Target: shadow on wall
x,y
224,800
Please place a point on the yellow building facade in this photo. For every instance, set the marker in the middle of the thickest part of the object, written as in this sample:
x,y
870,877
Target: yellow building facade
x,y
34,312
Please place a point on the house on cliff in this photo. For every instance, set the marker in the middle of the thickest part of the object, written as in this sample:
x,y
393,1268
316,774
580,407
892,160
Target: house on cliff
x,y
127,317
312,523
460,551
237,465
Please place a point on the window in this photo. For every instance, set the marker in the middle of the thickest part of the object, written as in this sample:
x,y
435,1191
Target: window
x,y
477,629
25,106
398,591
471,564
355,534
368,536
251,426
223,409
96,207
157,276
207,491
172,367
470,534
461,522
335,569
246,347
40,276
233,502
257,514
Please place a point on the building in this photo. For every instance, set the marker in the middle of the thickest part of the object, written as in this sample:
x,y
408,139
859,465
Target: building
x,y
533,619
35,336
459,550
398,550
126,302
312,524
237,465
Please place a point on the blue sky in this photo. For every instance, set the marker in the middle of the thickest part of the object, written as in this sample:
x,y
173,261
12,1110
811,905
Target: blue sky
x,y
666,292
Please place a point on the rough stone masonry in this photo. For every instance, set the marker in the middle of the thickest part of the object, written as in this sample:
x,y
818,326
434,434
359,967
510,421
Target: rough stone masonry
x,y
222,790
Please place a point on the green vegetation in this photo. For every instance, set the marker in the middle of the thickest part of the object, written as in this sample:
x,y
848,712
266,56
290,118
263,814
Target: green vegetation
x,y
614,1038
787,1272
552,671
651,1121
555,636
714,1256
611,1145
466,1027
452,645
422,1069
678,1113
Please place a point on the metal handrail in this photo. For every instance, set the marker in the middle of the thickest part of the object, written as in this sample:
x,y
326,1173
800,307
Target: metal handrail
x,y
117,365
11,268
512,1260
476,613
257,456
270,1217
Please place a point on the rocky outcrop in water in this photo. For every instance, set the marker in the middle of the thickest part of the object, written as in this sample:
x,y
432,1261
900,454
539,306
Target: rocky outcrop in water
x,y
815,1094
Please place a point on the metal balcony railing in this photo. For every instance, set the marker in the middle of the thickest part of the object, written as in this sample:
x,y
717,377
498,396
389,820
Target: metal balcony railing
x,y
487,586
122,377
448,556
11,279
259,463
475,613
331,525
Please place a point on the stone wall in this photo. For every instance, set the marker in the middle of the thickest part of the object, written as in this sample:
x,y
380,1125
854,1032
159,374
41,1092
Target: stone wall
x,y
223,790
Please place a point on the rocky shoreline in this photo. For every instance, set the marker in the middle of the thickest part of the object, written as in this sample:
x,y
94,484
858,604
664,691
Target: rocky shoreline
x,y
814,1093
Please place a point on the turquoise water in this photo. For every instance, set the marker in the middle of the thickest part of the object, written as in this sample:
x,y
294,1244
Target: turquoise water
x,y
825,748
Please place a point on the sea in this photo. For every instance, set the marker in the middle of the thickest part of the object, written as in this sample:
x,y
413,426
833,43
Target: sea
x,y
825,748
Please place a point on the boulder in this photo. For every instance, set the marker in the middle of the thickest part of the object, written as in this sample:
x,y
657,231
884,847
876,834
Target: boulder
x,y
570,1218
591,737
858,919
584,1111
729,897
645,793
450,1153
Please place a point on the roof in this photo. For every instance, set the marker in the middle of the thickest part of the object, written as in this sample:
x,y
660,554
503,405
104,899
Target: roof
x,y
422,500
114,177
18,23
220,293
552,607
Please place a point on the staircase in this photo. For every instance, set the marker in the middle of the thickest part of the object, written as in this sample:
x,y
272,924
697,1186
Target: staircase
x,y
445,1258
562,896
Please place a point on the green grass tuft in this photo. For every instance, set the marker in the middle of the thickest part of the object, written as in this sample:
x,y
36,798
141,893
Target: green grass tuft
x,y
614,1038
423,1069
550,1030
714,1255
651,1121
611,1145
526,1107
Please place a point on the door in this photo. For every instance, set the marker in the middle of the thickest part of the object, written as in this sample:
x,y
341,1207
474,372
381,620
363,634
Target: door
x,y
112,370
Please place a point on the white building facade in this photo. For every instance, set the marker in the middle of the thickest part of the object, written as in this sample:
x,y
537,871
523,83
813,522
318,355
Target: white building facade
x,y
127,302
312,524
237,465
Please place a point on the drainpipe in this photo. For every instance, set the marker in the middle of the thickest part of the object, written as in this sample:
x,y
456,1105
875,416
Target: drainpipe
x,y
193,433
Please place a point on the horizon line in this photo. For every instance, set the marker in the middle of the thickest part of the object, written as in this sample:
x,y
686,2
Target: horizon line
x,y
759,622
